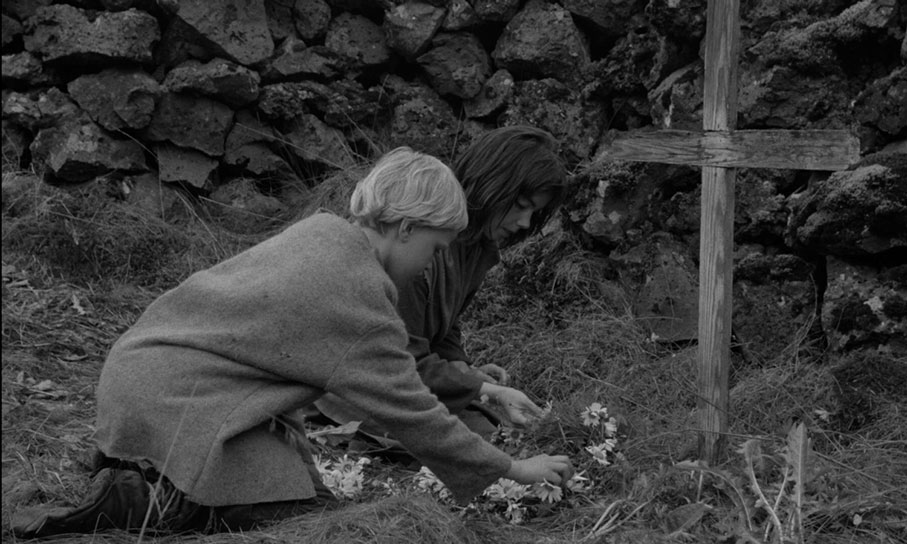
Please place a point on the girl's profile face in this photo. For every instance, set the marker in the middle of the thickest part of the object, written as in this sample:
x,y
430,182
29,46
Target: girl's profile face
x,y
519,216
412,251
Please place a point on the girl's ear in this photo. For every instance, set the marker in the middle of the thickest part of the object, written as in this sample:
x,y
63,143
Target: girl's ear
x,y
404,230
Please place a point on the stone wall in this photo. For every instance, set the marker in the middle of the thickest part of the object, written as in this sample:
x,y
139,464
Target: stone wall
x,y
256,102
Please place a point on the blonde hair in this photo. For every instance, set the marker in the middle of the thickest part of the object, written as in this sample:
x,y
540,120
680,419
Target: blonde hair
x,y
412,186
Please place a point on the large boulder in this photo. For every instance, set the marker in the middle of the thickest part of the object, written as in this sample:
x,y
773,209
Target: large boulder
x,y
358,39
410,27
284,101
496,11
609,17
783,98
881,108
496,93
78,150
280,19
774,306
36,110
865,307
22,70
233,29
761,206
117,98
257,160
662,280
562,110
312,140
542,41
460,16
151,6
456,64
248,129
618,203
312,18
12,31
66,35
298,62
822,47
186,167
191,121
683,22
676,102
859,213
23,9
219,79
762,15
344,103
248,149
636,64
421,119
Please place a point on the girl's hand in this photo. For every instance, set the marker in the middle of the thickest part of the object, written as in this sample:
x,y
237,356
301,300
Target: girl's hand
x,y
492,373
517,407
554,469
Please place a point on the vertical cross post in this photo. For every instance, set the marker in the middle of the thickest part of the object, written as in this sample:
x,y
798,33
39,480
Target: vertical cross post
x,y
716,246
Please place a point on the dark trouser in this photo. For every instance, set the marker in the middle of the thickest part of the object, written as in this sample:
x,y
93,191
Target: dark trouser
x,y
126,495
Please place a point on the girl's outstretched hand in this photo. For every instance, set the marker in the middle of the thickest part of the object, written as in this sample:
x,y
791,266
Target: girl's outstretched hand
x,y
493,374
554,469
517,407
489,373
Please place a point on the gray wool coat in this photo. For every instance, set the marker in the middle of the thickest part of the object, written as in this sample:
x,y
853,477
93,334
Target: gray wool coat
x,y
193,386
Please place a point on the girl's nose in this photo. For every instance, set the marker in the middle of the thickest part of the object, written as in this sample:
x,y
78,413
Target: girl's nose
x,y
525,219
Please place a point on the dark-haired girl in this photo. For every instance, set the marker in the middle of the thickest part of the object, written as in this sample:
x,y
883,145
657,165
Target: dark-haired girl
x,y
513,180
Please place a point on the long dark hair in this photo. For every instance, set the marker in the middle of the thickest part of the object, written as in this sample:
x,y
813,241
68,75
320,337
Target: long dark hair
x,y
501,166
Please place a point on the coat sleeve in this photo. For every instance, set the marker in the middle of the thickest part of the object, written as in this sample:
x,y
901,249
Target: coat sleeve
x,y
454,387
380,378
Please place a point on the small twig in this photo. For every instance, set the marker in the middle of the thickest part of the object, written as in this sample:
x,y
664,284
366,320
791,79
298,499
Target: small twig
x,y
609,527
601,519
762,497
780,496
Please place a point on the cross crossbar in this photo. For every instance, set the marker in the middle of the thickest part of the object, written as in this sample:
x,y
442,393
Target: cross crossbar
x,y
783,149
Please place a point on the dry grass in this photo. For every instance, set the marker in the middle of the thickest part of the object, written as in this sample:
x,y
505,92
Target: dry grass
x,y
78,268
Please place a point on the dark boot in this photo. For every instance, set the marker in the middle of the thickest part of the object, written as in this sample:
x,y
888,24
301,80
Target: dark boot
x,y
117,499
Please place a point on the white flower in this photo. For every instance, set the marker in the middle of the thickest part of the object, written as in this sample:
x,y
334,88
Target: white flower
x,y
547,491
507,436
506,490
350,484
600,453
343,477
577,484
594,414
389,486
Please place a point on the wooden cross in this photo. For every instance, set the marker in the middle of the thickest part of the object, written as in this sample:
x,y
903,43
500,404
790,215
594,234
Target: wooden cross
x,y
719,150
